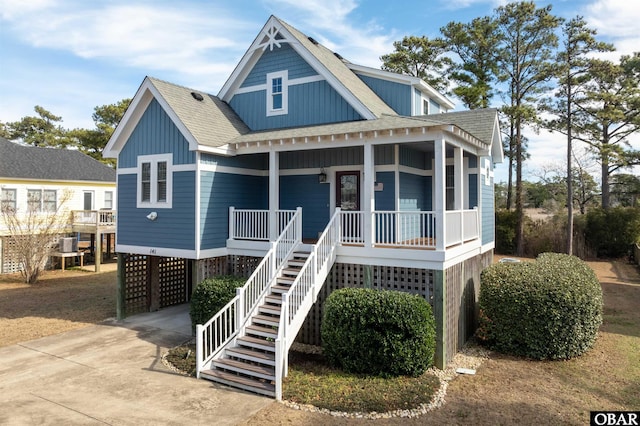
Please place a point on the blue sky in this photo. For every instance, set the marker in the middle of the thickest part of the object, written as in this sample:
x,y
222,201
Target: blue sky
x,y
70,56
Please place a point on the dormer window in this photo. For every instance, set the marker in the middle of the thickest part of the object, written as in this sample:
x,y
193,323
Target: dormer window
x,y
277,93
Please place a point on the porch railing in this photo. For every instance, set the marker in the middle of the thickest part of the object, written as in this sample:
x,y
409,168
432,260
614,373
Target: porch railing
x,y
216,333
246,224
412,229
462,226
94,217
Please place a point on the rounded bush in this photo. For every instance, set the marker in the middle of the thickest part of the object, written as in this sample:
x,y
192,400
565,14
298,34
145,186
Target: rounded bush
x,y
386,333
210,296
547,309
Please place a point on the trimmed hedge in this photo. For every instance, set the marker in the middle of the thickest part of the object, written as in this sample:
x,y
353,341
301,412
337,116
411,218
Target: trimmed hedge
x,y
385,333
547,309
211,295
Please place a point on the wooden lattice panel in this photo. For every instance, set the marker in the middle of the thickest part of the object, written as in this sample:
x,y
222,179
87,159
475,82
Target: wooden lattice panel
x,y
212,267
173,281
10,262
135,289
242,266
410,280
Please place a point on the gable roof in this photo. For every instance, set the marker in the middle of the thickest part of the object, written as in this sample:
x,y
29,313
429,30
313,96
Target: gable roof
x,y
31,162
324,61
203,119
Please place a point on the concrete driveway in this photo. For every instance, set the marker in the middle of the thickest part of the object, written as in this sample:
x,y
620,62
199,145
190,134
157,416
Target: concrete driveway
x,y
112,373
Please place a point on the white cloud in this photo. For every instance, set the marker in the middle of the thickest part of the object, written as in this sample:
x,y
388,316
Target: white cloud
x,y
617,21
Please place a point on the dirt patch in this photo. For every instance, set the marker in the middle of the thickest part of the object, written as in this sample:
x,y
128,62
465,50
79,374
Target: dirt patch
x,y
60,301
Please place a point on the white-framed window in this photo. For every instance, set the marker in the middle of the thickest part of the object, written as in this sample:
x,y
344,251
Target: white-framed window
x,y
108,200
425,106
8,199
155,181
49,200
450,187
278,93
34,200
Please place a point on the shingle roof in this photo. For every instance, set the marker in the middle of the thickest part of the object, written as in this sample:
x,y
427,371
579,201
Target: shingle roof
x,y
342,73
30,162
479,122
387,122
211,121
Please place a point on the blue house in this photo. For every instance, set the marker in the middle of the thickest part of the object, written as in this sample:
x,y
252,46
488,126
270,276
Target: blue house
x,y
306,173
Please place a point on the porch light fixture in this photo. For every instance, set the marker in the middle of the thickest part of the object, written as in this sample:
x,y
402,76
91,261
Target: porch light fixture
x,y
322,177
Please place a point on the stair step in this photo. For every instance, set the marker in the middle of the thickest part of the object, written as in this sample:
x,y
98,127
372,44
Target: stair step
x,y
279,288
285,280
266,320
295,263
266,358
257,343
270,309
274,299
290,272
233,380
259,330
257,371
301,254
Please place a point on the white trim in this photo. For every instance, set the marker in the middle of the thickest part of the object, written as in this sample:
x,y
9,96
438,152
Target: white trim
x,y
183,167
489,246
197,205
214,252
156,251
127,171
284,77
233,170
154,160
292,82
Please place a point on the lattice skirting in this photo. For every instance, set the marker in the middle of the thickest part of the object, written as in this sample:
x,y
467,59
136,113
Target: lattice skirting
x,y
410,280
9,260
239,266
151,282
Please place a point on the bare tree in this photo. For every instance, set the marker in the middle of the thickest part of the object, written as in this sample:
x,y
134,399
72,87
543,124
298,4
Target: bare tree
x,y
34,232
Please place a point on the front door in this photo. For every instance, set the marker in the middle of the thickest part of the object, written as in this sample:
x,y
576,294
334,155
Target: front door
x,y
348,199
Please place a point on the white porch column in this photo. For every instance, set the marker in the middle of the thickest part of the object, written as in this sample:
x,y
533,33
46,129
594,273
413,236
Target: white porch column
x,y
439,181
368,195
274,193
458,179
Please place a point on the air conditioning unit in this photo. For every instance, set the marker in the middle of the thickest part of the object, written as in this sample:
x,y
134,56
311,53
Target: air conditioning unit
x,y
68,245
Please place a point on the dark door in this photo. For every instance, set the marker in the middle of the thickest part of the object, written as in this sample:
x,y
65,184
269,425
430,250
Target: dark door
x,y
348,191
348,199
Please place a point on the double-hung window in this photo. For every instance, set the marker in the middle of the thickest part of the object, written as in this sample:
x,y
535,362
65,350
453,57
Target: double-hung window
x,y
34,200
155,181
49,200
8,200
277,93
39,200
108,200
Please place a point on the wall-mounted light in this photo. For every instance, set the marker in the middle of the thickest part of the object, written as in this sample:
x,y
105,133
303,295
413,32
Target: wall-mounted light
x,y
152,216
322,177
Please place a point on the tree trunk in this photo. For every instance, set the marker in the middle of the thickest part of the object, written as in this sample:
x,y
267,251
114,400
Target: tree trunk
x,y
510,178
519,205
569,177
604,155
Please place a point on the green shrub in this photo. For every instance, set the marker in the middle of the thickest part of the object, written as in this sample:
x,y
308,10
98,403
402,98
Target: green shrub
x,y
547,309
386,333
506,221
210,296
611,232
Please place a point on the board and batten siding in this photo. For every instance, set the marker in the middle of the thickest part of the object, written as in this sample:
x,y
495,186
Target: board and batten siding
x,y
309,104
386,199
279,59
396,95
174,228
305,191
250,161
414,158
155,133
218,192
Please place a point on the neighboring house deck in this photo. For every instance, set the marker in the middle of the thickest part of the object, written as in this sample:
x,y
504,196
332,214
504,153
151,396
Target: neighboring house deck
x,y
306,173
45,179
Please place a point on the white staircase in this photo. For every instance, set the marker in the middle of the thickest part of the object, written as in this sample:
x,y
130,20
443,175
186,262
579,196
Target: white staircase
x,y
250,363
245,345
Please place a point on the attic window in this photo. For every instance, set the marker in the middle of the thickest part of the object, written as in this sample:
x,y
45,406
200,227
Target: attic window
x,y
155,179
277,93
197,96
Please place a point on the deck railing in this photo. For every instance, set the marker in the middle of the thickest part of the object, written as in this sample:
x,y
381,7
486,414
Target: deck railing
x,y
94,217
212,336
248,224
411,229
462,226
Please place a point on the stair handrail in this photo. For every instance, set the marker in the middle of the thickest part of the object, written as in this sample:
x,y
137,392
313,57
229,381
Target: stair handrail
x,y
303,293
224,326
